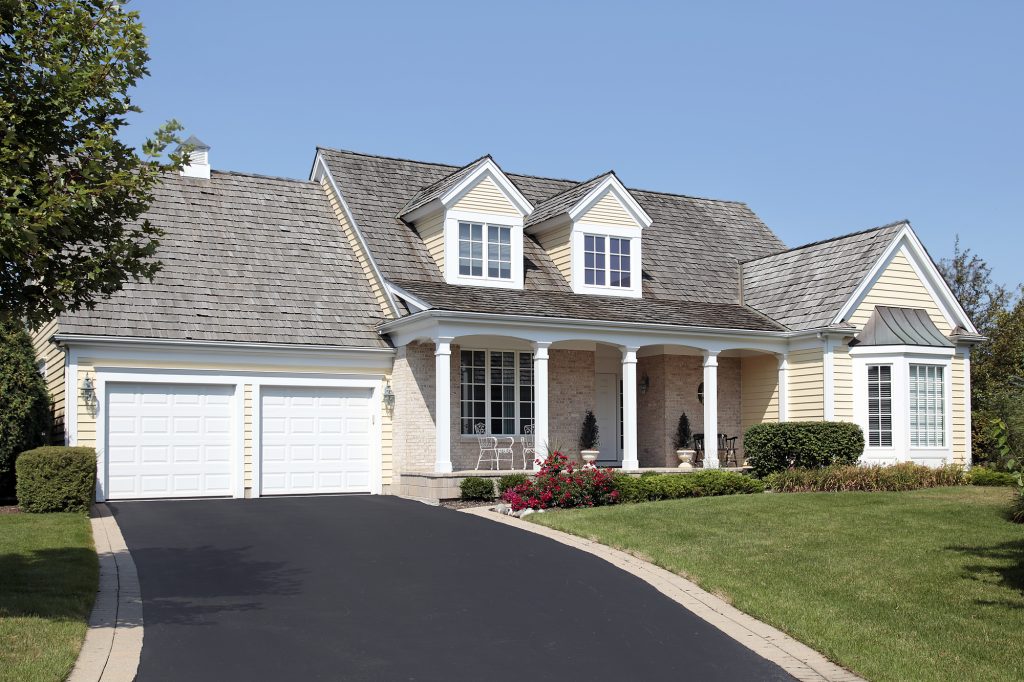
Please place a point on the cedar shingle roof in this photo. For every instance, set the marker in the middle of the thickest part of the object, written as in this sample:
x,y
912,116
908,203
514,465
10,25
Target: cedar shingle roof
x,y
805,287
563,202
245,258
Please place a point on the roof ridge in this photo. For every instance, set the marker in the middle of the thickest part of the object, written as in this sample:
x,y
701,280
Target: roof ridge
x,y
264,176
830,239
575,186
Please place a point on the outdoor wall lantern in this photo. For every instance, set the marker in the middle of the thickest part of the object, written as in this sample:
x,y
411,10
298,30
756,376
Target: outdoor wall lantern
x,y
89,394
388,398
645,383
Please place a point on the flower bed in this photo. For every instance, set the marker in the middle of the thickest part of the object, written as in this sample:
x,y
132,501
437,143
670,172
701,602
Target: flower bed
x,y
896,477
561,483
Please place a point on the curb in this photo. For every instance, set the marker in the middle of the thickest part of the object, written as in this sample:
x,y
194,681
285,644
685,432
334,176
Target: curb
x,y
797,659
113,642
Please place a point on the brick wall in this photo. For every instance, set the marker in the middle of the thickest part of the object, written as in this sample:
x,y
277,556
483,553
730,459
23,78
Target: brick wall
x,y
571,394
413,382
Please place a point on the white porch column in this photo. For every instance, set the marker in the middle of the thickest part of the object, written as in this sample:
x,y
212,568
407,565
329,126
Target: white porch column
x,y
630,458
711,410
968,454
783,386
443,404
830,380
540,401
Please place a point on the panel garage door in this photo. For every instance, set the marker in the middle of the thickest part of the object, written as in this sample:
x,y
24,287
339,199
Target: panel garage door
x,y
169,440
315,440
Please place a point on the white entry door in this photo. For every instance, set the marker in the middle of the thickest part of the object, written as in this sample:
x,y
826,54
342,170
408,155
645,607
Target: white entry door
x,y
606,386
315,440
169,440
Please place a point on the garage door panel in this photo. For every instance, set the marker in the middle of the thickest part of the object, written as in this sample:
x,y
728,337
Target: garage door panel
x,y
307,440
169,440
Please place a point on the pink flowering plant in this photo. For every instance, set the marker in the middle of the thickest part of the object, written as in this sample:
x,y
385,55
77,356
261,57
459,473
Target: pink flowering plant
x,y
561,483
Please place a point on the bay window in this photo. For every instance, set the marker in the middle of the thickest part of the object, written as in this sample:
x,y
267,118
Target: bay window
x,y
880,406
927,406
496,391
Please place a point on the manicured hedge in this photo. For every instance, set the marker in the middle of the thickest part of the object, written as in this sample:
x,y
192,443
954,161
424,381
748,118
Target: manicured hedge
x,y
842,478
776,446
56,479
476,488
983,476
673,486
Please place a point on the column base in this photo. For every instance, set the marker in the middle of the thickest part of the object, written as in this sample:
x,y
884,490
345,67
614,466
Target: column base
x,y
443,468
630,465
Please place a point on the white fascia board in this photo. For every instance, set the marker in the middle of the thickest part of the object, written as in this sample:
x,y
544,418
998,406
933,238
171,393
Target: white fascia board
x,y
320,170
621,193
489,169
925,268
423,211
903,351
414,301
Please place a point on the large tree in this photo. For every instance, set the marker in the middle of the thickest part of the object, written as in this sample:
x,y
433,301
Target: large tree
x,y
970,278
71,194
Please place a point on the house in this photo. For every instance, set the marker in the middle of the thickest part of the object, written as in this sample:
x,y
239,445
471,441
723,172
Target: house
x,y
351,332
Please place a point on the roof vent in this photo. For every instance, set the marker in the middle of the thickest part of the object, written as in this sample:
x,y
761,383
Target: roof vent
x,y
198,165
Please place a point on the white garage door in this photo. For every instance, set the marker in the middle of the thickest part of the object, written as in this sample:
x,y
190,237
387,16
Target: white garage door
x,y
169,440
315,440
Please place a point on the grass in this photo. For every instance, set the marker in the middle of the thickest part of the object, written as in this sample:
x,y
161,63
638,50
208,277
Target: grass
x,y
923,585
48,579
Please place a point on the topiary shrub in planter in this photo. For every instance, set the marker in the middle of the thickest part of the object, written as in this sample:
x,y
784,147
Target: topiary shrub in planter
x,y
509,481
476,488
848,478
560,483
56,479
773,447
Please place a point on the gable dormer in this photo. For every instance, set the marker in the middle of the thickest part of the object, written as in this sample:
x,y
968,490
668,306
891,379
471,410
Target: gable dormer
x,y
472,224
593,234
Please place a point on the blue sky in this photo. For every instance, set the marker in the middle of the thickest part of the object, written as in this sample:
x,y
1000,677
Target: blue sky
x,y
824,117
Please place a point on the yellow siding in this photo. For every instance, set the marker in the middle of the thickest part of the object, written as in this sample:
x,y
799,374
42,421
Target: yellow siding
x,y
486,197
558,244
431,229
608,211
87,421
899,286
958,404
842,372
806,385
376,286
53,356
247,455
386,446
759,392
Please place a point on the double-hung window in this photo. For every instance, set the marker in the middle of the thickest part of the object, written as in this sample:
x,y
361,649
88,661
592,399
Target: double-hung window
x,y
477,252
606,261
497,391
927,407
880,406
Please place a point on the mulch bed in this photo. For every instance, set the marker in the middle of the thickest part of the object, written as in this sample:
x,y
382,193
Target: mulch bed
x,y
466,504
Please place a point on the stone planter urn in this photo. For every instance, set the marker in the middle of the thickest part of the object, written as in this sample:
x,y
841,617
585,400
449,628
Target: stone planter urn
x,y
686,458
589,457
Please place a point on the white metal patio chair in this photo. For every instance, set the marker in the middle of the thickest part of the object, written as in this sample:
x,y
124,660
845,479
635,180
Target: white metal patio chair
x,y
493,449
529,446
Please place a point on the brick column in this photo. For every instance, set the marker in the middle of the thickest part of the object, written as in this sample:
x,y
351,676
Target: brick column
x,y
630,456
540,401
711,410
442,404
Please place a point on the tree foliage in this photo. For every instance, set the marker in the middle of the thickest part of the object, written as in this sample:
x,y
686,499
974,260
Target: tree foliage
x,y
24,402
970,278
71,193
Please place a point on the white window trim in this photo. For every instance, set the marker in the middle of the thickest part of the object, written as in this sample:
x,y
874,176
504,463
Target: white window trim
x,y
579,286
451,249
487,392
900,358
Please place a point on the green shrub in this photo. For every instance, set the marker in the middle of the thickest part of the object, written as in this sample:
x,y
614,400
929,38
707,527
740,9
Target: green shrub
x,y
706,483
476,488
509,481
1017,510
983,476
56,479
773,447
845,478
24,402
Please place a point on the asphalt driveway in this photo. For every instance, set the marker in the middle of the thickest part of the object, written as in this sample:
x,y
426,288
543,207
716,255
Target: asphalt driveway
x,y
379,588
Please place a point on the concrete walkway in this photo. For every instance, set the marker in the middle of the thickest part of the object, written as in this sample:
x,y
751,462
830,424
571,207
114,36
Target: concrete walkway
x,y
799,660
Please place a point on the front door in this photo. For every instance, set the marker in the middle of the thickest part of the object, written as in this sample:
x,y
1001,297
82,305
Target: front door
x,y
607,412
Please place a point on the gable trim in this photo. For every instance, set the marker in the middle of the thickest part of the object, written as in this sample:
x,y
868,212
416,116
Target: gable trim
x,y
488,168
612,184
321,170
907,242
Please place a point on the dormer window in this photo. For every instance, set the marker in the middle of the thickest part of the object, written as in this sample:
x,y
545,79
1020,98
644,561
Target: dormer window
x,y
474,251
606,261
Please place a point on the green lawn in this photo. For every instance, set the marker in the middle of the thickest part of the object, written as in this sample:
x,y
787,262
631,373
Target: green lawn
x,y
924,585
48,577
